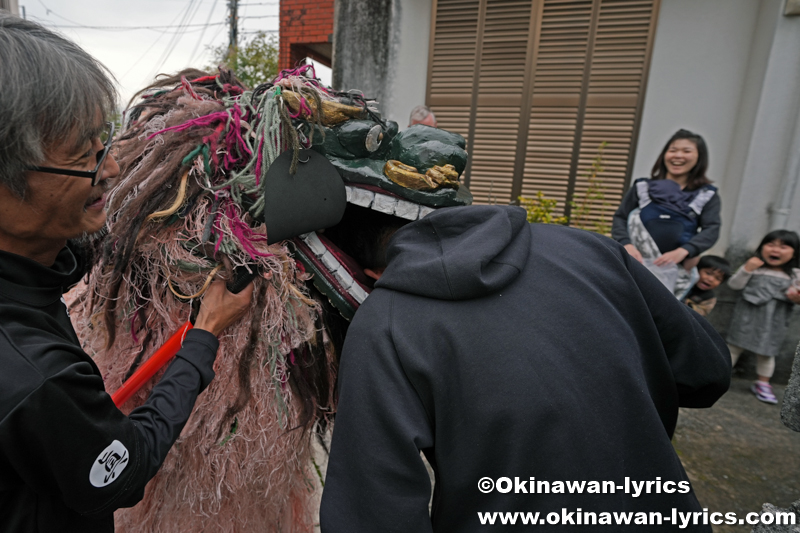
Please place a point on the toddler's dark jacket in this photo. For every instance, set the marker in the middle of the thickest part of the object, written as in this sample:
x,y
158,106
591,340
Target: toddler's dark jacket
x,y
703,302
68,456
504,349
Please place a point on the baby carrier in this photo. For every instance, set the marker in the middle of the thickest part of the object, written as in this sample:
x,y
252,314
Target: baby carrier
x,y
667,218
668,214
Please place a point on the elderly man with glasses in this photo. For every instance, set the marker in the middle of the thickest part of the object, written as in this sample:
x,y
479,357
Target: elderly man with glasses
x,y
68,456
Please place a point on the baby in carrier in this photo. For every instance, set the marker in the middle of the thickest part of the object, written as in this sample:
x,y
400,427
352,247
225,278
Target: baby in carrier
x,y
669,219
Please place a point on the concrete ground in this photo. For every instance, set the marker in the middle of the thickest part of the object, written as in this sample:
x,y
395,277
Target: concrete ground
x,y
739,455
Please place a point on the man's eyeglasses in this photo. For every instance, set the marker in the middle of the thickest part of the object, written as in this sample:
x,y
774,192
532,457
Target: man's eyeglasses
x,y
106,136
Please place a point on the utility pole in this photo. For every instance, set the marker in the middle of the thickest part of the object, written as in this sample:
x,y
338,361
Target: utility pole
x,y
233,34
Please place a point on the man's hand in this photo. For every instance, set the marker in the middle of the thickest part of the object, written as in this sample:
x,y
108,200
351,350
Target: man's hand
x,y
670,258
634,252
221,308
753,263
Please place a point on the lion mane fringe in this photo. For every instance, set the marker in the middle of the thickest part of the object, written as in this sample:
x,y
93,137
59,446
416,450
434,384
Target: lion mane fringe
x,y
181,211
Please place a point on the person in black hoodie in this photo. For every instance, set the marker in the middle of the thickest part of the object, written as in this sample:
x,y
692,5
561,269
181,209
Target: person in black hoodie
x,y
68,457
503,349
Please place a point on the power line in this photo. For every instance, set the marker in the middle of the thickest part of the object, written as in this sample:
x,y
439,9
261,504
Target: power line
x,y
244,11
198,27
213,39
150,48
176,37
76,24
161,29
200,39
48,11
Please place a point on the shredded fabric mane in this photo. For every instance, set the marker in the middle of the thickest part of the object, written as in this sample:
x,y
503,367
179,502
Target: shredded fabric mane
x,y
187,206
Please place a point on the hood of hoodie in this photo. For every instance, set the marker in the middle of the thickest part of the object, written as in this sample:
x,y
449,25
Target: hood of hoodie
x,y
458,253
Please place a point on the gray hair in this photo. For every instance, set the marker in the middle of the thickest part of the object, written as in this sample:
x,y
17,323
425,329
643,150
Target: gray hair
x,y
52,90
420,113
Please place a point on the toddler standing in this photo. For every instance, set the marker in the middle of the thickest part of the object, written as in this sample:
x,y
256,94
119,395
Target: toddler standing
x,y
760,320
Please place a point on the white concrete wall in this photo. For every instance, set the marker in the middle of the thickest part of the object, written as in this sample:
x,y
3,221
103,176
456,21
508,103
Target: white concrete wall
x,y
697,74
748,113
385,51
10,5
771,166
791,187
730,70
410,60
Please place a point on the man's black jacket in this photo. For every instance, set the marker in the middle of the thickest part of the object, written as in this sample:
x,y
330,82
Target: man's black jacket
x,y
68,456
506,349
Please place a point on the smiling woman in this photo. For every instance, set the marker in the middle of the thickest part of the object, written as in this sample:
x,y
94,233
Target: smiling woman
x,y
672,217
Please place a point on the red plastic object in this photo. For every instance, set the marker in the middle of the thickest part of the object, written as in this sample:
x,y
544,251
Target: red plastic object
x,y
157,361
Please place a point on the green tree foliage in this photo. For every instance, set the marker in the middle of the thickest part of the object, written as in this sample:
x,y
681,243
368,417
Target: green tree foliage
x,y
254,61
593,199
541,209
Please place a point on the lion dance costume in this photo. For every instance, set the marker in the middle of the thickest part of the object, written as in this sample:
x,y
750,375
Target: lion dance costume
x,y
193,199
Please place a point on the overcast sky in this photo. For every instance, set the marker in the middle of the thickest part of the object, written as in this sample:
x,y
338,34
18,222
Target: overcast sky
x,y
137,39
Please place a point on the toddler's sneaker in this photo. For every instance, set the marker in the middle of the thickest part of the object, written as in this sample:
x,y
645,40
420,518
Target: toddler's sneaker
x,y
763,392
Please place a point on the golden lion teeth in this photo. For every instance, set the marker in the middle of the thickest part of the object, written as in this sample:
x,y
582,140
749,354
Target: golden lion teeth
x,y
445,176
407,176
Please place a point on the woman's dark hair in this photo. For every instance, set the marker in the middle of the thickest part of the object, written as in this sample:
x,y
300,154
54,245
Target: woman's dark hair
x,y
717,263
790,238
697,175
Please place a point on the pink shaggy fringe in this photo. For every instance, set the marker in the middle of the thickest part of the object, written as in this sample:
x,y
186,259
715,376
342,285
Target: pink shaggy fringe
x,y
262,478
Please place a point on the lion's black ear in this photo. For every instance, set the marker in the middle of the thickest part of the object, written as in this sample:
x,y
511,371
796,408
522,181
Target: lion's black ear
x,y
313,198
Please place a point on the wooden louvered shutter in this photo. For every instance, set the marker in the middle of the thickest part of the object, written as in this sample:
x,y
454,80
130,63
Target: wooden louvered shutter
x,y
551,80
559,66
451,64
614,95
501,76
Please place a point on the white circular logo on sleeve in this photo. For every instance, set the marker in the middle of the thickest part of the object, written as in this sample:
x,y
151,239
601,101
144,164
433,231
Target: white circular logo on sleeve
x,y
109,464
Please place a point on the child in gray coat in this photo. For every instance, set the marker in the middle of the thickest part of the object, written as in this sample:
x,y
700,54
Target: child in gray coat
x,y
770,285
